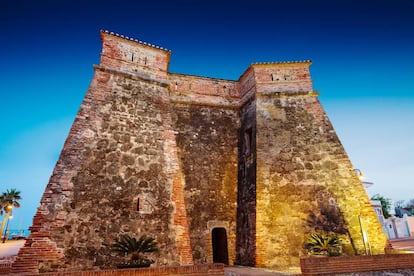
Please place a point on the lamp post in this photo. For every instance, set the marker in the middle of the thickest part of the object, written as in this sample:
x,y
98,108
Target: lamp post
x,y
365,238
363,233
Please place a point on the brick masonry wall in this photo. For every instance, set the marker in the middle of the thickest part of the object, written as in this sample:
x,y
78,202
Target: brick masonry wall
x,y
139,58
196,270
123,182
58,194
5,268
207,142
174,170
194,85
246,192
357,264
283,77
302,166
247,86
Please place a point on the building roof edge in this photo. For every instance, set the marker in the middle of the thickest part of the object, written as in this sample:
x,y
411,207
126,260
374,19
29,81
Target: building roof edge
x,y
135,40
282,62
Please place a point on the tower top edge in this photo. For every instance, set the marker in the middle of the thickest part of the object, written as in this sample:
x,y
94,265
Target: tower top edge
x,y
135,40
306,62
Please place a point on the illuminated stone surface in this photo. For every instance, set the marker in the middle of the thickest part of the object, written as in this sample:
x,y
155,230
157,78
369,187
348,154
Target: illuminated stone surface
x,y
201,164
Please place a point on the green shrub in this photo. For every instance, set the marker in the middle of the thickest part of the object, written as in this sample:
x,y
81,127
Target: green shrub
x,y
136,249
323,244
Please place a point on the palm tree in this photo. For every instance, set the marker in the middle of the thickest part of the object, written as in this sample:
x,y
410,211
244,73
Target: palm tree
x,y
8,200
127,245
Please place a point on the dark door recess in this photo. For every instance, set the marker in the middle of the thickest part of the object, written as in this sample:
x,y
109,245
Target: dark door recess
x,y
220,251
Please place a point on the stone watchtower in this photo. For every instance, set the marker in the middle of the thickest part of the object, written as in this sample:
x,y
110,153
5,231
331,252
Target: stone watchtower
x,y
216,170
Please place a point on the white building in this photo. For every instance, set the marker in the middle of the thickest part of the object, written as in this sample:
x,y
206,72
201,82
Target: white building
x,y
394,227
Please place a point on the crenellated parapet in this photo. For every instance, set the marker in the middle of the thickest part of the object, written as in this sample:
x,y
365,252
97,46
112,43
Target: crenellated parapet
x,y
282,77
131,56
135,57
204,91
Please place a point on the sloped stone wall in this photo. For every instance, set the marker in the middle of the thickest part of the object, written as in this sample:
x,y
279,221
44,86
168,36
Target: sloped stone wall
x,y
122,185
207,141
123,181
301,164
246,193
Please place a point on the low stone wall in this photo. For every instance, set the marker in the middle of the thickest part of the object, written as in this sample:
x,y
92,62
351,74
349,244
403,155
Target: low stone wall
x,y
190,270
337,265
5,268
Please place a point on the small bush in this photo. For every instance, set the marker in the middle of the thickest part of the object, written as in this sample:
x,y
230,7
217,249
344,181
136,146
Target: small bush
x,y
323,244
136,249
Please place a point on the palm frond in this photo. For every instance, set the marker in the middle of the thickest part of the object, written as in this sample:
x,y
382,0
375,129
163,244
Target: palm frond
x,y
127,245
328,244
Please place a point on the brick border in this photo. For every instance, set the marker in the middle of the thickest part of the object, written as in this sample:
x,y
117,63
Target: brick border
x,y
334,265
188,270
5,268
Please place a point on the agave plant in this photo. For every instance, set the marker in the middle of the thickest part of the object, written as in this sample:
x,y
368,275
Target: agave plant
x,y
323,244
136,249
330,220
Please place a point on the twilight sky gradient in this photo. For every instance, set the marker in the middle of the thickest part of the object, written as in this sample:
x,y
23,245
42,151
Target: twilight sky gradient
x,y
362,53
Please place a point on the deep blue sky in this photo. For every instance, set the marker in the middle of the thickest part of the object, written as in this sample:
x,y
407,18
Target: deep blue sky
x,y
362,53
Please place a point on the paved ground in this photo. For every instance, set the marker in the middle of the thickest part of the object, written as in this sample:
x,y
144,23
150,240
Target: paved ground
x,y
251,271
403,244
406,244
11,248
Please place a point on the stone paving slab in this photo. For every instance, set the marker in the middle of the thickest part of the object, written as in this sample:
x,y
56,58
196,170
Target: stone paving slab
x,y
252,271
378,273
10,248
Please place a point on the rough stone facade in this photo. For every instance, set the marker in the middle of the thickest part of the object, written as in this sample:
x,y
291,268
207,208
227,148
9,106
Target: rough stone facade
x,y
215,170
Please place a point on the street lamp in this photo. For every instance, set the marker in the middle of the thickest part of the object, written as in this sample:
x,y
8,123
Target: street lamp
x,y
359,174
361,178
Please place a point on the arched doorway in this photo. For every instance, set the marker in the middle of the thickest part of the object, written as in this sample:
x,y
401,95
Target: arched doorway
x,y
219,242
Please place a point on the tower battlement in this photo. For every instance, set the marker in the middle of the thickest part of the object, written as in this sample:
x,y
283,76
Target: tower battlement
x,y
282,77
135,57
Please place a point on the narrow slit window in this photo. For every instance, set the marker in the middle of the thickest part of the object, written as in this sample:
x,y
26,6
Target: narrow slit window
x,y
248,141
137,206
